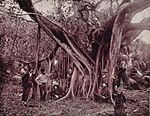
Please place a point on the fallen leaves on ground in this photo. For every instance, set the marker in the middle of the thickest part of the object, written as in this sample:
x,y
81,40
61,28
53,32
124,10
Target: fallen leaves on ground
x,y
137,105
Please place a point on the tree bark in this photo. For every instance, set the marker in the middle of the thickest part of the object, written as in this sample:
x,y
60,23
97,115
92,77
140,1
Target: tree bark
x,y
36,70
117,37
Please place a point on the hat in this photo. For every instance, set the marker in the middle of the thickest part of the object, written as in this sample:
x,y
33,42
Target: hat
x,y
104,84
23,70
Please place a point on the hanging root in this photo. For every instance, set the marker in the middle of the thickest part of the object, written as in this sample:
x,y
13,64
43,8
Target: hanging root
x,y
111,91
96,71
84,87
94,85
71,88
90,86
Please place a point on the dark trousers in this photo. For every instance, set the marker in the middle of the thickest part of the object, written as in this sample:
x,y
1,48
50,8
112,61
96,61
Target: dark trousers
x,y
120,112
43,91
25,95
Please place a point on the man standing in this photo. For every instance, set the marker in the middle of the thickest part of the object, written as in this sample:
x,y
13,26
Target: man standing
x,y
41,81
26,84
122,76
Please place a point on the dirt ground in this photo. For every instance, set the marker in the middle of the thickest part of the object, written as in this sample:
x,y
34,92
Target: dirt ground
x,y
137,105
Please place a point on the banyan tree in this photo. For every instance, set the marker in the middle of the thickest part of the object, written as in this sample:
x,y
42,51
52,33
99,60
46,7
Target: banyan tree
x,y
115,34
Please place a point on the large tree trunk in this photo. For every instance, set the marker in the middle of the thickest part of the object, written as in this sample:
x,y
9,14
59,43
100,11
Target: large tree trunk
x,y
36,70
117,35
107,48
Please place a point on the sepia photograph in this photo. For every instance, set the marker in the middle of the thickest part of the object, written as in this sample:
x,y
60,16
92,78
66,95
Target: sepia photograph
x,y
74,57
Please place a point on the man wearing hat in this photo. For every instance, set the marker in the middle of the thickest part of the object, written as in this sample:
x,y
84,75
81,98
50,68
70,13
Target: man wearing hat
x,y
26,83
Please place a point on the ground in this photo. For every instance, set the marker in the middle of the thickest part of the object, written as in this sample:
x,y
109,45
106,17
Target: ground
x,y
137,105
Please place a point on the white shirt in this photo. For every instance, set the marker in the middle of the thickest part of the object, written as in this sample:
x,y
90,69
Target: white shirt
x,y
42,78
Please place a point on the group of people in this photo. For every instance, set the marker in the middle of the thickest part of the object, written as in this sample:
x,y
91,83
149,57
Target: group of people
x,y
41,80
102,94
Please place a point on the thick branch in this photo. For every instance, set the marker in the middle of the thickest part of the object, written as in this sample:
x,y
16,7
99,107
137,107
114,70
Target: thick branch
x,y
131,12
56,30
131,15
143,25
136,6
117,36
132,30
130,37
